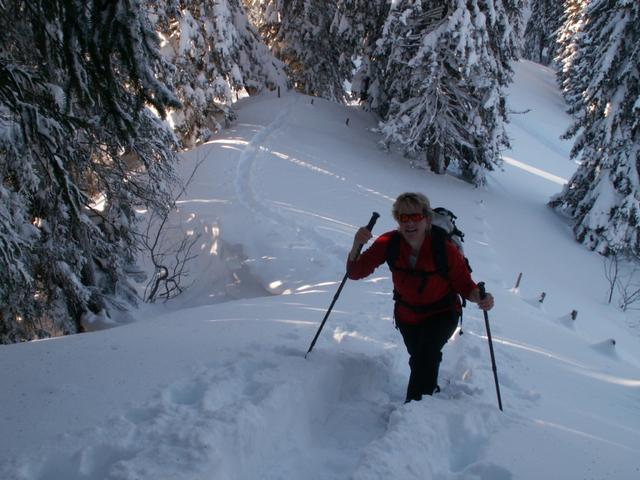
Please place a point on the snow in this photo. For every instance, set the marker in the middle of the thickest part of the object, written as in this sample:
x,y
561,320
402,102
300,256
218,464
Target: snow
x,y
214,384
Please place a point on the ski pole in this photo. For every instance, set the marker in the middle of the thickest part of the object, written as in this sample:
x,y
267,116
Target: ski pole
x,y
372,222
483,294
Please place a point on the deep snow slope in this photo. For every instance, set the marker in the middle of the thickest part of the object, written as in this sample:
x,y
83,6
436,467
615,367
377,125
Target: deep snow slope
x,y
215,385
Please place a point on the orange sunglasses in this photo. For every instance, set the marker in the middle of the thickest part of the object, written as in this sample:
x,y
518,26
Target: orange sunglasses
x,y
414,217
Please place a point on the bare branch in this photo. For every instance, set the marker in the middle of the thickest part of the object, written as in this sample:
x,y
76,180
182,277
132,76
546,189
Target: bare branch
x,y
169,261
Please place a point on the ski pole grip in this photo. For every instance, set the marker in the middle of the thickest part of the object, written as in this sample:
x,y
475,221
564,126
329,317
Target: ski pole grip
x,y
372,221
483,292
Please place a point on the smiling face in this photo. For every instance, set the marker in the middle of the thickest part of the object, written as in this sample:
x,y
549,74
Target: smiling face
x,y
412,211
413,225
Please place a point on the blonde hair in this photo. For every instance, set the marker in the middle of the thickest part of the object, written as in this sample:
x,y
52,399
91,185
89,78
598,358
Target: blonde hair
x,y
412,199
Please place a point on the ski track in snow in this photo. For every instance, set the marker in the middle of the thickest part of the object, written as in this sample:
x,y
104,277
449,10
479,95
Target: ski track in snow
x,y
255,152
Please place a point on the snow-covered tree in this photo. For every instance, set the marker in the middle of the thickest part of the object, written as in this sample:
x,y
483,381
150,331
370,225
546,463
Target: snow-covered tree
x,y
570,74
438,78
603,197
299,32
79,151
540,36
358,25
217,55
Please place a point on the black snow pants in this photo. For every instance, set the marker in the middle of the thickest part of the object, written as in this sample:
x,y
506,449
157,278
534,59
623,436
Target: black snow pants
x,y
424,343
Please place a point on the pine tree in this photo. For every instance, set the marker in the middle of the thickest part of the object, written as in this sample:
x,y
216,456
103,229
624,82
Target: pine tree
x,y
79,151
217,55
439,72
570,76
603,196
419,90
540,36
299,32
357,24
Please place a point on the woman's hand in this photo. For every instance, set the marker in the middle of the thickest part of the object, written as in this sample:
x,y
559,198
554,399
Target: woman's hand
x,y
362,236
485,303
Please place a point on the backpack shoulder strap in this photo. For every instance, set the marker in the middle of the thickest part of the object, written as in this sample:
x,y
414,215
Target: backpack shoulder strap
x,y
393,250
439,239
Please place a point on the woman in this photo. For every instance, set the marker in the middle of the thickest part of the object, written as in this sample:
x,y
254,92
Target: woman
x,y
427,303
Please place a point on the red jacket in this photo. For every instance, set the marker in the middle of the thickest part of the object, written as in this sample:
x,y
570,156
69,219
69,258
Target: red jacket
x,y
410,287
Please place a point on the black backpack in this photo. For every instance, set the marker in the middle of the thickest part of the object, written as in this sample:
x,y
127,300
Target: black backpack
x,y
443,228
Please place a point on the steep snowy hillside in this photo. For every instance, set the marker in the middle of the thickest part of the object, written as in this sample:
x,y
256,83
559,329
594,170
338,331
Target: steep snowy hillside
x,y
214,384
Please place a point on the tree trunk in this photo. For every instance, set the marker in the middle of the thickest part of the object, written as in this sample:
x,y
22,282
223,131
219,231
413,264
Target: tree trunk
x,y
435,158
